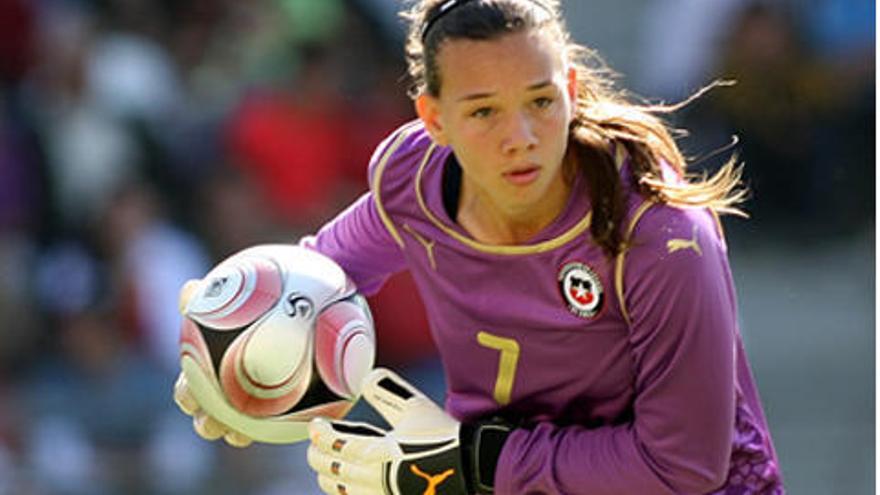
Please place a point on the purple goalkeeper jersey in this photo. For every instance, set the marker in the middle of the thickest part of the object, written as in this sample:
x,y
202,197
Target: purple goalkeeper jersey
x,y
628,373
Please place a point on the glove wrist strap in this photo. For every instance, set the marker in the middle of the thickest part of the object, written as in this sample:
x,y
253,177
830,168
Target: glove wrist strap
x,y
481,445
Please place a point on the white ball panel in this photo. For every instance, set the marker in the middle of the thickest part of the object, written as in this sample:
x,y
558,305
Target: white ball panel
x,y
357,361
278,346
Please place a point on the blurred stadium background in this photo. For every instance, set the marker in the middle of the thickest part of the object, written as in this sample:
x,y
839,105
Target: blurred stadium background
x,y
143,140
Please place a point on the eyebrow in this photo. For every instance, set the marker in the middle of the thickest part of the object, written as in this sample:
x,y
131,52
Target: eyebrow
x,y
478,96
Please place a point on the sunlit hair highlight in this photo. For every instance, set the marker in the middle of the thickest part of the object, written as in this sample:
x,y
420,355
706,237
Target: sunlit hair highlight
x,y
605,116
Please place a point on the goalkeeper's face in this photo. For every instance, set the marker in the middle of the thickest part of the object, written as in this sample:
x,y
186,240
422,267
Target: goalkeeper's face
x,y
504,106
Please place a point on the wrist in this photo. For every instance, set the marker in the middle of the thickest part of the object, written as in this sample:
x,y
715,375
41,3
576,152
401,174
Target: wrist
x,y
481,443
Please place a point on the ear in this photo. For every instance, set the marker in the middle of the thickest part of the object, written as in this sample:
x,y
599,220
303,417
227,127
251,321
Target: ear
x,y
572,85
428,110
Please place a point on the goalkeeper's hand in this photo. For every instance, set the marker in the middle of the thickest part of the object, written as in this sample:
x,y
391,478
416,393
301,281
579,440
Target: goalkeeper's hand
x,y
427,451
206,426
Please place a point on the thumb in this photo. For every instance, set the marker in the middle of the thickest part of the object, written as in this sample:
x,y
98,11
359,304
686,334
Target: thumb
x,y
395,398
183,397
187,291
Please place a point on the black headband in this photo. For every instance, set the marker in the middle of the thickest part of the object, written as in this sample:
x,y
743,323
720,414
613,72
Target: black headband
x,y
452,4
446,7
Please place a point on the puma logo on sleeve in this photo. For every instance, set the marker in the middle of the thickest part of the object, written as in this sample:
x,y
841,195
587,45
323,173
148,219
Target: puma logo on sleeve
x,y
673,245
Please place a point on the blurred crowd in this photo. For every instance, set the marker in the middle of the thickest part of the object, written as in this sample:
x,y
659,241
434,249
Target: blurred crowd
x,y
801,112
142,141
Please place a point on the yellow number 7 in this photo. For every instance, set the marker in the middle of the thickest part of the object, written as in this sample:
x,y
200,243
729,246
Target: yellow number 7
x,y
509,349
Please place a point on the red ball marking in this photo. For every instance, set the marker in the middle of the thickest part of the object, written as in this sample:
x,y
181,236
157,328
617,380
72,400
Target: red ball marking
x,y
267,290
335,328
196,347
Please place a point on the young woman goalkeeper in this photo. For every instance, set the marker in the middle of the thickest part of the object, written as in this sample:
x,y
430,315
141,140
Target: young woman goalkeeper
x,y
575,279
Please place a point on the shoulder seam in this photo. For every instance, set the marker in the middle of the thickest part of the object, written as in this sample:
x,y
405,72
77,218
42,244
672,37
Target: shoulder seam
x,y
621,257
718,225
376,182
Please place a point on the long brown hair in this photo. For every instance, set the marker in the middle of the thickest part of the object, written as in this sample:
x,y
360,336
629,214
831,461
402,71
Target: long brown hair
x,y
605,116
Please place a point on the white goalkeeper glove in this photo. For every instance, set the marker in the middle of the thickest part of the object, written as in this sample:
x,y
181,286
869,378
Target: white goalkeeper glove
x,y
427,451
205,426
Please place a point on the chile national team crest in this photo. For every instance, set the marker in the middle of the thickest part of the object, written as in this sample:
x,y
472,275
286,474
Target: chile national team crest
x,y
581,289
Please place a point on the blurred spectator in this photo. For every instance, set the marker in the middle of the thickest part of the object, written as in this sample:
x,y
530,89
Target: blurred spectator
x,y
19,216
151,259
16,39
292,142
300,143
842,33
176,460
680,40
842,28
784,107
311,22
19,175
101,418
88,152
91,408
8,473
68,279
232,214
133,78
61,458
12,418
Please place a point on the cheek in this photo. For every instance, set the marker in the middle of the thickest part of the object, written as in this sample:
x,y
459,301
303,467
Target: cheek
x,y
556,125
470,145
473,138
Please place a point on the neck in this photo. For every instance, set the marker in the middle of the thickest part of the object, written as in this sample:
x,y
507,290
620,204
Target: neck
x,y
494,224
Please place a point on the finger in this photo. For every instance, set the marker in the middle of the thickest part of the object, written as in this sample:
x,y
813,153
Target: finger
x,y
331,486
349,473
183,397
237,439
350,441
393,397
208,427
186,293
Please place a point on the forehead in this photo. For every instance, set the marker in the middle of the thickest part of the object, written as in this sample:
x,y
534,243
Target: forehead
x,y
509,62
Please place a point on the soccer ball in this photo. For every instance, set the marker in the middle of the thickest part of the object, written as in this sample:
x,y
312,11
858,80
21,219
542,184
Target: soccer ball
x,y
272,337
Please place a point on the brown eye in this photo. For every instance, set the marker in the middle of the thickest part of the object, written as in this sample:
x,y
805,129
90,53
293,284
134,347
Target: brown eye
x,y
482,113
543,102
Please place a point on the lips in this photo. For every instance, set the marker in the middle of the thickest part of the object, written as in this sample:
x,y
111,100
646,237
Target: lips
x,y
521,176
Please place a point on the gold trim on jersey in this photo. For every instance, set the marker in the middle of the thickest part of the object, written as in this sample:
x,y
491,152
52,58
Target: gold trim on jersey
x,y
718,224
618,268
540,247
427,244
377,179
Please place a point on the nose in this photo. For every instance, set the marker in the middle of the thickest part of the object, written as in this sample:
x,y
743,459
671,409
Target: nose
x,y
520,135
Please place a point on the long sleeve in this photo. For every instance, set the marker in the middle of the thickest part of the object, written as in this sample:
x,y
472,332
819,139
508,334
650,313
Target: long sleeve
x,y
361,244
682,332
360,238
